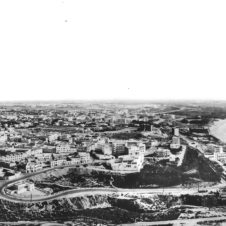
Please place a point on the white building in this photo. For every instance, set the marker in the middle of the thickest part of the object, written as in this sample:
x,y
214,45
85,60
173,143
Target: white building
x,y
215,148
58,162
127,163
163,153
75,161
34,167
84,157
118,147
21,187
135,148
65,149
14,157
220,157
133,161
175,143
176,132
43,156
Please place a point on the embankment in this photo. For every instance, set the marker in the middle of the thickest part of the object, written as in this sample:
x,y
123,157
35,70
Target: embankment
x,y
114,209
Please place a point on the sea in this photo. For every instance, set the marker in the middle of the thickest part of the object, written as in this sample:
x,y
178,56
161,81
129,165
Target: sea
x,y
218,129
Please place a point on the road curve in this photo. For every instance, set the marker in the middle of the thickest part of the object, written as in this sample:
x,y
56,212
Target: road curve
x,y
85,191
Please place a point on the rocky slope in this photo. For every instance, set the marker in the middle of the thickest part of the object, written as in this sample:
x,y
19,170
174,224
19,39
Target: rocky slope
x,y
114,209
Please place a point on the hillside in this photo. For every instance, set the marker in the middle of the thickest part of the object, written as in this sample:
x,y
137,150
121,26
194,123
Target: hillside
x,y
114,209
195,168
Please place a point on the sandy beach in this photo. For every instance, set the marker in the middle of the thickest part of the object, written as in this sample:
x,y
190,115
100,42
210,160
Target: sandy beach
x,y
218,129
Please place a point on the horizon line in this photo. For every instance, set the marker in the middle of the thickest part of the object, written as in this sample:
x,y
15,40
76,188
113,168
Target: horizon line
x,y
111,100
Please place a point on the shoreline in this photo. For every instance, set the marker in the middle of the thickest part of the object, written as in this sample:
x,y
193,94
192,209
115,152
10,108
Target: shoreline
x,y
217,128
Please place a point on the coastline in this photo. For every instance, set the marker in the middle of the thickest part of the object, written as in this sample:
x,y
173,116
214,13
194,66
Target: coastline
x,y
217,128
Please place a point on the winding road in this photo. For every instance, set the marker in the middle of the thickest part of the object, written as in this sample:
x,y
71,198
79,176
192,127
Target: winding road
x,y
78,192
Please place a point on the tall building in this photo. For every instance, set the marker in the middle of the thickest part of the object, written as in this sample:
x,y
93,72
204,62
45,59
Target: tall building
x,y
175,142
176,132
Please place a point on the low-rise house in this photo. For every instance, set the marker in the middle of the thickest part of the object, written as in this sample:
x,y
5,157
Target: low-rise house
x,y
65,149
127,164
14,157
163,153
35,151
66,162
21,187
84,157
220,157
34,166
75,161
43,156
58,162
215,153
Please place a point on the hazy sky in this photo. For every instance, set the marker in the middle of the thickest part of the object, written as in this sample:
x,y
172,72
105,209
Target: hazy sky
x,y
68,49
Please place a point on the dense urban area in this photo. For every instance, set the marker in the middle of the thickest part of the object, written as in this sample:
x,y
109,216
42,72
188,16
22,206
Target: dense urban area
x,y
97,163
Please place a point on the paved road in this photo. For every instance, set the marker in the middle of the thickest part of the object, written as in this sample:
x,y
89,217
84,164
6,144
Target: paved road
x,y
91,191
84,191
88,191
188,222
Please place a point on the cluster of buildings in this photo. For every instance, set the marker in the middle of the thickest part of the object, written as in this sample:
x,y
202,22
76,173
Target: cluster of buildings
x,y
114,137
36,159
132,159
36,137
215,153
